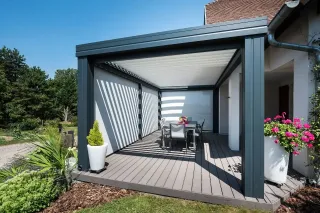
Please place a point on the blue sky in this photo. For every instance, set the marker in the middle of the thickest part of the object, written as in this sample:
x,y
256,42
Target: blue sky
x,y
46,32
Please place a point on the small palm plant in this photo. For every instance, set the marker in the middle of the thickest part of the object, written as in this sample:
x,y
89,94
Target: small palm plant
x,y
95,137
50,155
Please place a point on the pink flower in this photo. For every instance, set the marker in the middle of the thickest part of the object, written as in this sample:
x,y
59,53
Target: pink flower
x,y
305,139
288,121
307,126
267,120
296,120
311,138
275,129
297,125
277,117
310,145
307,133
295,135
276,141
296,153
289,134
294,143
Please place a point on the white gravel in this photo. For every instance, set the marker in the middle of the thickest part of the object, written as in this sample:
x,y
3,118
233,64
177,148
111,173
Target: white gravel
x,y
9,152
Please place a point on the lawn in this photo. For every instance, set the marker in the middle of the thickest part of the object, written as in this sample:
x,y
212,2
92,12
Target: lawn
x,y
156,204
7,138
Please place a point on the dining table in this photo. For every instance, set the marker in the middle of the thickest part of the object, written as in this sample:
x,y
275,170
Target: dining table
x,y
189,126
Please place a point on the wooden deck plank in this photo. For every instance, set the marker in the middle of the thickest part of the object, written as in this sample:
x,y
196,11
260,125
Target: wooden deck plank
x,y
197,173
166,172
188,179
178,183
215,182
137,170
226,176
206,181
115,166
174,173
133,167
155,177
121,168
151,171
144,171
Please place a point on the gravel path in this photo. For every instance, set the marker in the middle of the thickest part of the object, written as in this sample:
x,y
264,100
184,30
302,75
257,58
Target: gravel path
x,y
9,152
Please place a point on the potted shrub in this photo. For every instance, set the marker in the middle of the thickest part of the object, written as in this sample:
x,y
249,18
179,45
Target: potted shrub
x,y
282,137
97,149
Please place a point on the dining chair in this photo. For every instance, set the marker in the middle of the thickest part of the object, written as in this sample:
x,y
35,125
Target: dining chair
x,y
177,132
199,131
165,131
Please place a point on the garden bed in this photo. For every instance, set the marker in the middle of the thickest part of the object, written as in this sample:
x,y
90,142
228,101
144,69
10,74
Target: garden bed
x,y
304,200
85,195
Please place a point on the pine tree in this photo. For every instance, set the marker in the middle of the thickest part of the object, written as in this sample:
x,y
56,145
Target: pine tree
x,y
95,137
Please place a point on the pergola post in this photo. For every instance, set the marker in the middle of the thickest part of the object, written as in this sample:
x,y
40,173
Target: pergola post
x,y
253,116
85,109
140,110
216,110
159,109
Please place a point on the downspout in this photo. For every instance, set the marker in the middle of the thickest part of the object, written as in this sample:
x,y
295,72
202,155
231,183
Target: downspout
x,y
276,22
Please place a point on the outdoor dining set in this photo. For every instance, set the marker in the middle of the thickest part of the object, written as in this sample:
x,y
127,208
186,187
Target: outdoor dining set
x,y
183,130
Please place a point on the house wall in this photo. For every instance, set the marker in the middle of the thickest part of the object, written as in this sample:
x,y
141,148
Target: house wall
x,y
149,111
195,104
223,109
116,109
304,29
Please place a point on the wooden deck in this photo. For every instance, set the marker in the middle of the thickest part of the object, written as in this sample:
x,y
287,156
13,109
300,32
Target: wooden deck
x,y
211,174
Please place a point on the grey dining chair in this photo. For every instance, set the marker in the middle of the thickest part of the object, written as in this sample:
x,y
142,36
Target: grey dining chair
x,y
165,131
199,131
177,132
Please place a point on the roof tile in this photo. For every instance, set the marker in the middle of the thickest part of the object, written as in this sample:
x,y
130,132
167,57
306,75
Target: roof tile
x,y
230,10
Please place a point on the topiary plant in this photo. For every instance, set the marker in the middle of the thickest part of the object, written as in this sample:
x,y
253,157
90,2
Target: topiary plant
x,y
95,137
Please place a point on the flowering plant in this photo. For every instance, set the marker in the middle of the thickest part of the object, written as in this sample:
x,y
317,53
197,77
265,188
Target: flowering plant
x,y
291,135
183,120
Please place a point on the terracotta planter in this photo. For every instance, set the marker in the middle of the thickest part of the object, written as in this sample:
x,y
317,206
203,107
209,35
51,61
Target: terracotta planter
x,y
97,156
276,161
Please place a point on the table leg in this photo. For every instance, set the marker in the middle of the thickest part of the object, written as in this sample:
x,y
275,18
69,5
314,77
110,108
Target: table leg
x,y
194,139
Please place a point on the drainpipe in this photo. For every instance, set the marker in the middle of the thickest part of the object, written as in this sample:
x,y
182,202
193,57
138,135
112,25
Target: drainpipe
x,y
277,21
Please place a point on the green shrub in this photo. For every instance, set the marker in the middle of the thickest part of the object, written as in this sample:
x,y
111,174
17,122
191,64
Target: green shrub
x,y
28,192
95,136
74,120
54,123
29,124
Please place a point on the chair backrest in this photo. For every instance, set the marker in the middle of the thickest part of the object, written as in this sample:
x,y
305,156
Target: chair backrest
x,y
202,124
177,131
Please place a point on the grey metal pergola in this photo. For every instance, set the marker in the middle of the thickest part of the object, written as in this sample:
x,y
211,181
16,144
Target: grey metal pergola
x,y
247,36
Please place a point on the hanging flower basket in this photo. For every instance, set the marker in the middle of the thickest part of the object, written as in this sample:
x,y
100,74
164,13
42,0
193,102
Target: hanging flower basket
x,y
282,137
183,120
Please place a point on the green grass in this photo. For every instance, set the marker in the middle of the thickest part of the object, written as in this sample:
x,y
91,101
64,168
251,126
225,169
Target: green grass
x,y
155,204
3,142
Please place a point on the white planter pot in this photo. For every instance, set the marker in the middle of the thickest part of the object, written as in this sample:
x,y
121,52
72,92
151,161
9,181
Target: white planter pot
x,y
97,156
276,161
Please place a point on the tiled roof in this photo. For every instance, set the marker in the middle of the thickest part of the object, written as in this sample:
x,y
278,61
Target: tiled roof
x,y
230,10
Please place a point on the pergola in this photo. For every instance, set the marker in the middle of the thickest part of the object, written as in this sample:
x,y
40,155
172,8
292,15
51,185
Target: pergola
x,y
146,59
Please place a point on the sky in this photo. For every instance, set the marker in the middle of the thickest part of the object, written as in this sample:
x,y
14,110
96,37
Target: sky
x,y
46,32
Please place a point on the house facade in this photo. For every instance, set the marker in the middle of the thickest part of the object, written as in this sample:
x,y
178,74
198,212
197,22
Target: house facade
x,y
288,73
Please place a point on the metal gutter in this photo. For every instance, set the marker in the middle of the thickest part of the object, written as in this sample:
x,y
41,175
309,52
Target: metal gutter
x,y
273,26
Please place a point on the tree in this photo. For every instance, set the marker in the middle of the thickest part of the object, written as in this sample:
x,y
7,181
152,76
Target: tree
x,y
65,82
12,67
30,98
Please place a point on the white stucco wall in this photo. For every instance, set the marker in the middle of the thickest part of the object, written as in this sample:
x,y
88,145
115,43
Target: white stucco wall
x,y
149,111
116,109
195,104
223,109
